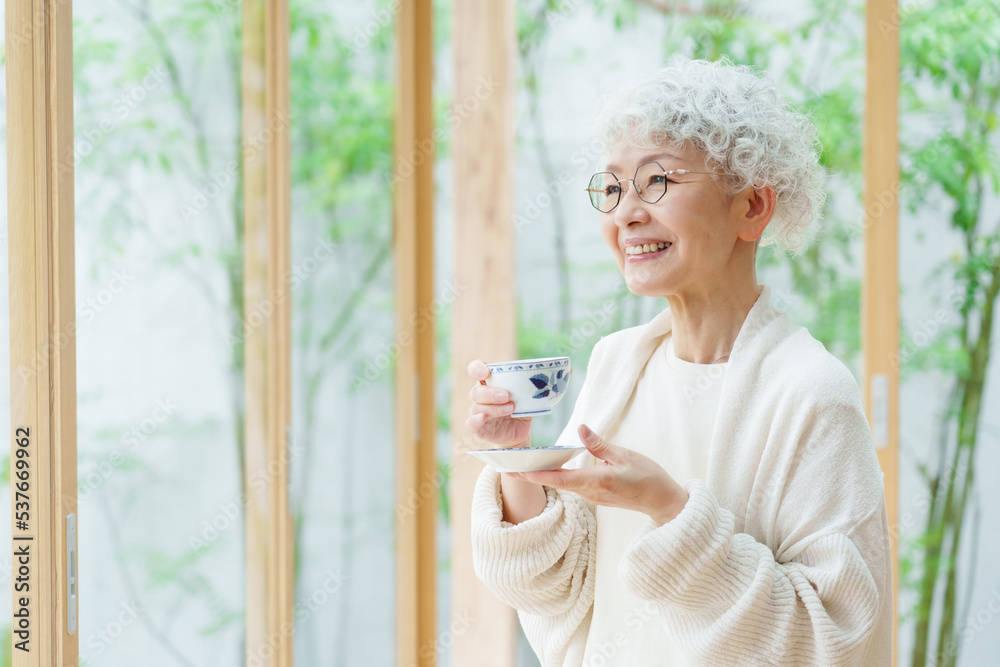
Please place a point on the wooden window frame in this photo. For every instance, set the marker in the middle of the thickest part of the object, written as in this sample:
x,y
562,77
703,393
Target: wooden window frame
x,y
270,562
413,257
39,51
880,287
483,314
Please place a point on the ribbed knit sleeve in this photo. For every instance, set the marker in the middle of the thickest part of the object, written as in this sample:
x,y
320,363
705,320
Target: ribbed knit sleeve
x,y
728,601
542,567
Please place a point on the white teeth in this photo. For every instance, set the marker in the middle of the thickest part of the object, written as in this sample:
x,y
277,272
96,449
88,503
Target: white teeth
x,y
647,247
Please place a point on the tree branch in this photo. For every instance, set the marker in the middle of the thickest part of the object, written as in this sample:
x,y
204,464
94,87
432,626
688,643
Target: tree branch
x,y
342,318
144,16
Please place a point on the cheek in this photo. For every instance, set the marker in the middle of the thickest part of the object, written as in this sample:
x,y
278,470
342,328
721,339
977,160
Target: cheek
x,y
609,231
698,221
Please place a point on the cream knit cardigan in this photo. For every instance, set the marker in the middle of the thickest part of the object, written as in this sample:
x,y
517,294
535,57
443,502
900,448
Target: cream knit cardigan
x,y
780,557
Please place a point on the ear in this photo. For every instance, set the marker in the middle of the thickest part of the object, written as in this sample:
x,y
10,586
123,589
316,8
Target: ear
x,y
755,206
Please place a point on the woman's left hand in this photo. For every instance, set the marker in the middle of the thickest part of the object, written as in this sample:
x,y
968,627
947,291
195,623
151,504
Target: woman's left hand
x,y
622,478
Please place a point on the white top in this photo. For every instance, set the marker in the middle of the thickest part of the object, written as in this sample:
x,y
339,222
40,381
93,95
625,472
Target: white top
x,y
669,418
781,555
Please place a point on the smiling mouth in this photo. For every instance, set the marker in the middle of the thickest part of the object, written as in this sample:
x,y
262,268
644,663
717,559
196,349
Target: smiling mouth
x,y
645,250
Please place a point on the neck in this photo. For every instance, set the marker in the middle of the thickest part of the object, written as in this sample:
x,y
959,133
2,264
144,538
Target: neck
x,y
706,322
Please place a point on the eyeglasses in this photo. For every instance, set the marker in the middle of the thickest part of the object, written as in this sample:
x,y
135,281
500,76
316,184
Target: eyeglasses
x,y
650,182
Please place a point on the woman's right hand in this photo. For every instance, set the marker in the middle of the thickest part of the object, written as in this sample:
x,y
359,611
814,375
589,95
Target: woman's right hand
x,y
489,416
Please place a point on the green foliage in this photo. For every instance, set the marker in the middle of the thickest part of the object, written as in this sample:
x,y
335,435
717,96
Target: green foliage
x,y
180,574
951,84
6,646
163,570
444,467
535,338
343,127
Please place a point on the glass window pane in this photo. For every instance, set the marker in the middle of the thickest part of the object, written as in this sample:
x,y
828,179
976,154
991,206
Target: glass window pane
x,y
160,367
343,333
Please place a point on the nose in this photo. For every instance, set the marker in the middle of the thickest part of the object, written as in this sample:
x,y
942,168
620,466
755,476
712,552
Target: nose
x,y
631,209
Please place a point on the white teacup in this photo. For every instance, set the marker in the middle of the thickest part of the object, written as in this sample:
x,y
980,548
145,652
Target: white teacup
x,y
535,385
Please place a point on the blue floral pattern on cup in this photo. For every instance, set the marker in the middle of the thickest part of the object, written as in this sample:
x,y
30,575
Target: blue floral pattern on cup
x,y
546,384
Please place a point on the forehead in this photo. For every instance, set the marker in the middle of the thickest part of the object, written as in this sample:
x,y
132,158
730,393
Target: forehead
x,y
628,156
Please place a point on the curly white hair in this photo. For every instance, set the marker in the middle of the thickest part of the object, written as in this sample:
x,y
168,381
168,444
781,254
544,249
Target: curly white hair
x,y
739,121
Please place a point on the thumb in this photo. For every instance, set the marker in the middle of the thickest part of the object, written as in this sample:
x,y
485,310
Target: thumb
x,y
597,445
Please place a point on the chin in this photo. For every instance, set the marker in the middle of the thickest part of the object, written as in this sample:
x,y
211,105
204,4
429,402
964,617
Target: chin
x,y
642,288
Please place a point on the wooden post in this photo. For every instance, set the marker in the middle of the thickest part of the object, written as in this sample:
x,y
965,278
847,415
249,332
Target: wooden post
x,y
267,323
416,423
39,45
880,288
485,47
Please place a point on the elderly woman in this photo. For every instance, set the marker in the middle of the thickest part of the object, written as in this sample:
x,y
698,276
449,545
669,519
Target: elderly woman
x,y
730,508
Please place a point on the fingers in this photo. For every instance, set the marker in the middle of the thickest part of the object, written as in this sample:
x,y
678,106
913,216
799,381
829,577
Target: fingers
x,y
475,423
557,479
478,370
479,420
491,410
597,445
481,393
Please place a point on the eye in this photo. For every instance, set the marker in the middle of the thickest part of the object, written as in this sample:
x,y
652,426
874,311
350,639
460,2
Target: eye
x,y
612,190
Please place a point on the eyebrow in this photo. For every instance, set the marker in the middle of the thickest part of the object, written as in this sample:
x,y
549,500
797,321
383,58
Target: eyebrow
x,y
648,158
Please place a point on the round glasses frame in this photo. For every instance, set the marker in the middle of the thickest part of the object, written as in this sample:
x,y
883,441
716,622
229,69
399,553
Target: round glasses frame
x,y
597,193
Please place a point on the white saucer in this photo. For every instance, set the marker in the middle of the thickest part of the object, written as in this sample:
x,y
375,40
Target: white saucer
x,y
527,459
